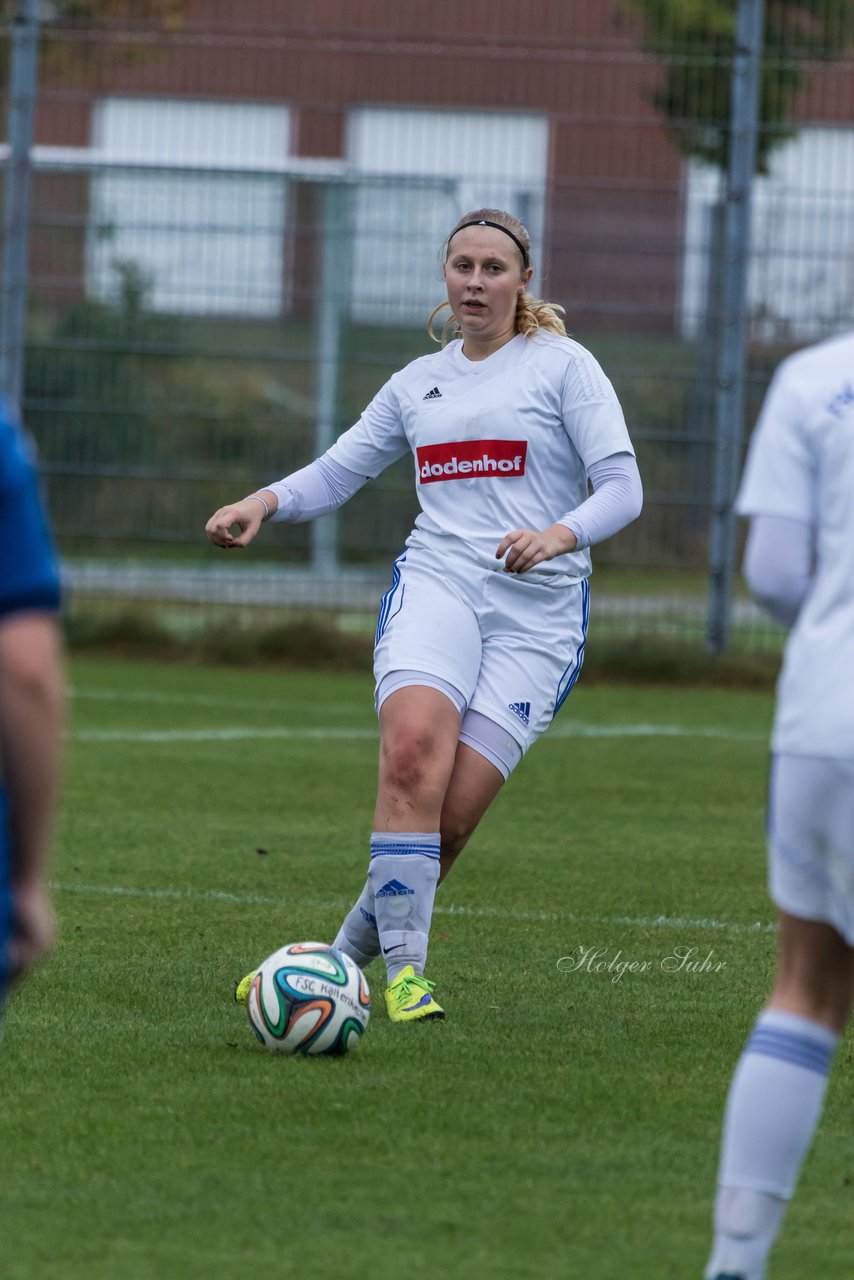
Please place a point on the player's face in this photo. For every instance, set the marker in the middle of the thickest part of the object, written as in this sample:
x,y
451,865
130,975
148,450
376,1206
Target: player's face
x,y
484,276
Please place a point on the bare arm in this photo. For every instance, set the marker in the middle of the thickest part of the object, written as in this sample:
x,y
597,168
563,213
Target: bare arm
x,y
32,711
313,491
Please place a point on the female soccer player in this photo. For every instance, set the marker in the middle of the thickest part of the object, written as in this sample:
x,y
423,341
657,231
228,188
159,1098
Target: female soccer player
x,y
798,490
481,635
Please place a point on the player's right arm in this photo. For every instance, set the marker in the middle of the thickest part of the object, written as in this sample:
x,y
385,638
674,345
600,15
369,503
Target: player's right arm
x,y
314,491
247,516
372,444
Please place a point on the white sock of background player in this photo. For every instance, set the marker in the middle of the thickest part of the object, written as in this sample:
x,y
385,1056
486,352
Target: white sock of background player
x,y
774,1105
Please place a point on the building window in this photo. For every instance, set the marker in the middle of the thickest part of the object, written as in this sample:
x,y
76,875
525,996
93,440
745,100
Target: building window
x,y
187,197
422,170
801,277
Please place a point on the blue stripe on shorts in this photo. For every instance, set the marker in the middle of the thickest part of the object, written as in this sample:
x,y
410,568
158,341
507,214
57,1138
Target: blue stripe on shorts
x,y
387,604
572,672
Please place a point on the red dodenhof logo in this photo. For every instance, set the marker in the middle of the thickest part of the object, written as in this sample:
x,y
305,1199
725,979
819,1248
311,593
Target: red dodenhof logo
x,y
471,459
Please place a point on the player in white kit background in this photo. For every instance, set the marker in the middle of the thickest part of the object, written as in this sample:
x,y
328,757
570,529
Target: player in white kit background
x,y
798,490
481,635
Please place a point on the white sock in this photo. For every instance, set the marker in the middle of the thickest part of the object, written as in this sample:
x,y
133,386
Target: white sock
x,y
774,1105
403,874
358,935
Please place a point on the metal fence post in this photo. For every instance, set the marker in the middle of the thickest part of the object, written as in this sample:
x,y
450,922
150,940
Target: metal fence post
x,y
334,283
732,364
16,217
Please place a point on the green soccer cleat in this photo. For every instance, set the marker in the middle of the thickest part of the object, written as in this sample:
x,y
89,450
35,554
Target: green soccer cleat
x,y
410,998
241,991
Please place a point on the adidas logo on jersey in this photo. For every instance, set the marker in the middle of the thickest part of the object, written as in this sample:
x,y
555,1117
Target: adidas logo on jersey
x,y
435,394
522,710
393,889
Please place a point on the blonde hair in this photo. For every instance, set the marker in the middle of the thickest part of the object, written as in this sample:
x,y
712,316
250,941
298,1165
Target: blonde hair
x,y
533,315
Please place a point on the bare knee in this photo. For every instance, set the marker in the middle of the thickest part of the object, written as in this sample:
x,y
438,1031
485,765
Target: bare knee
x,y
404,769
412,765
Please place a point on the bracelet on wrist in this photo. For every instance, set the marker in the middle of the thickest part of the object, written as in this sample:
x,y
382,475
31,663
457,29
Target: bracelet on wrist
x,y
264,503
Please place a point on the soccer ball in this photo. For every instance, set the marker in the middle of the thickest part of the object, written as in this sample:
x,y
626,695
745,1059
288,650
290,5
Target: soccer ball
x,y
309,998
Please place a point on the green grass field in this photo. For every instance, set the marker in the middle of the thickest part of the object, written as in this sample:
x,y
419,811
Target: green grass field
x,y
563,1122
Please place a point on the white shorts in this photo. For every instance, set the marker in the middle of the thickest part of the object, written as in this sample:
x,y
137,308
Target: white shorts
x,y
513,648
811,839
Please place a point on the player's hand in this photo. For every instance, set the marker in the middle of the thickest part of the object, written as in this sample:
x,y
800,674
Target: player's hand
x,y
524,548
33,928
246,515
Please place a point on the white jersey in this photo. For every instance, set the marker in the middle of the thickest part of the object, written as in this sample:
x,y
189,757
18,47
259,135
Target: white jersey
x,y
498,444
801,466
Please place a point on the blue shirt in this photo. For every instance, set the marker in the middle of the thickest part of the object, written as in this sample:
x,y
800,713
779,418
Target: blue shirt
x,y
29,574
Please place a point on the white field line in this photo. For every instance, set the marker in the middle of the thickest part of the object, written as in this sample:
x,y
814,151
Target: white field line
x,y
217,735
565,728
149,696
479,913
574,729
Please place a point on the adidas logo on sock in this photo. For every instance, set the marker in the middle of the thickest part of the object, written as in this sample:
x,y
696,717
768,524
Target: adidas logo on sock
x,y
368,917
435,394
522,710
393,889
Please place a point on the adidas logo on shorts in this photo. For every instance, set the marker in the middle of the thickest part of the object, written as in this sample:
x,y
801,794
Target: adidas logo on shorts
x,y
435,394
522,710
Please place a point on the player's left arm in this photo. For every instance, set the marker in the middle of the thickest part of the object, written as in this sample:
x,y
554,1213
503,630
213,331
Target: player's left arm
x,y
32,706
31,697
616,500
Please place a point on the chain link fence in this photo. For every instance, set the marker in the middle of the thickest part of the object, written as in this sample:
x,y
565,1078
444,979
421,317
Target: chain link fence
x,y
234,227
